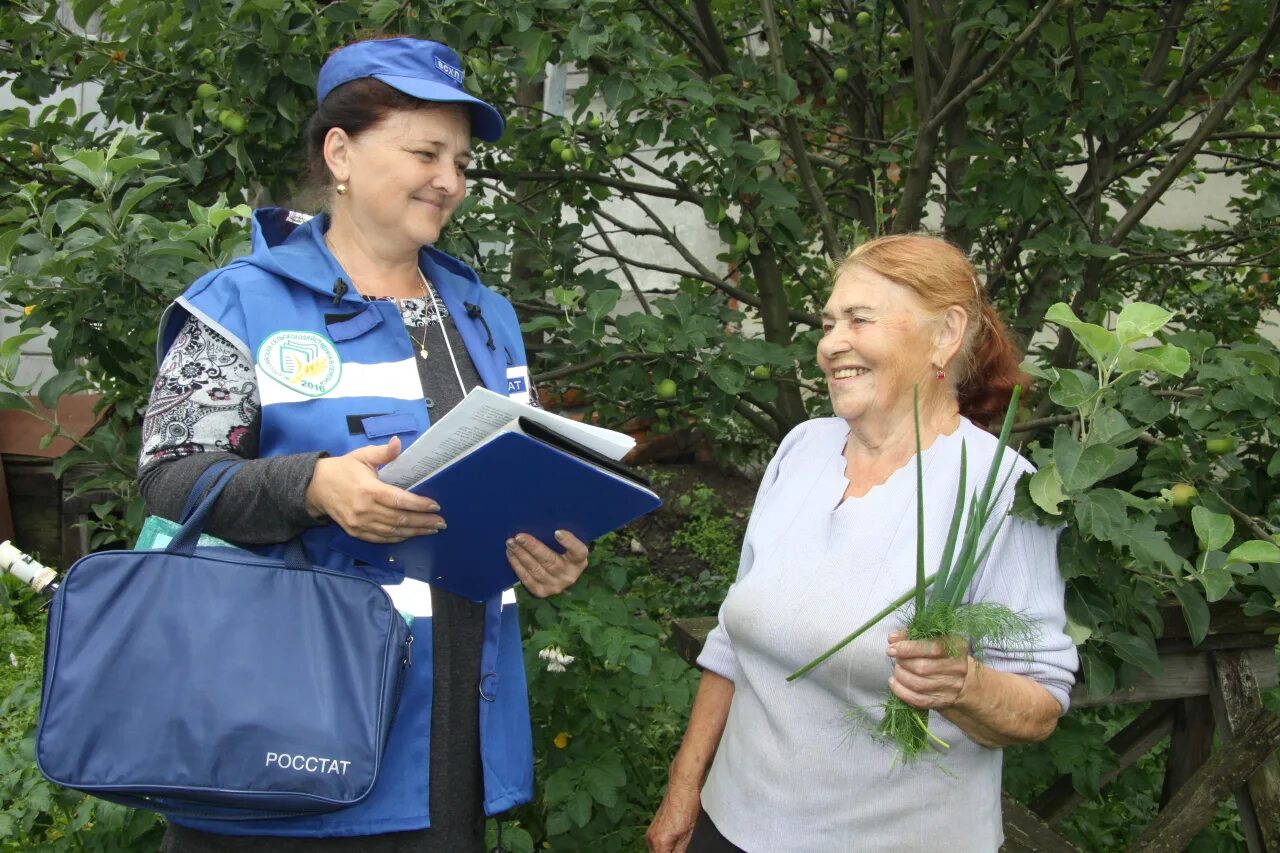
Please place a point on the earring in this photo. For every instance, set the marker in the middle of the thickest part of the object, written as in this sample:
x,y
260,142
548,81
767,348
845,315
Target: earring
x,y
941,374
341,189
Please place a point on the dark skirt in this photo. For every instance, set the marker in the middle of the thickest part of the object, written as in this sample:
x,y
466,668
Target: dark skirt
x,y
707,839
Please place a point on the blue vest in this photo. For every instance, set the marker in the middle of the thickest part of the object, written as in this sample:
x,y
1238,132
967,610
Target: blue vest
x,y
336,373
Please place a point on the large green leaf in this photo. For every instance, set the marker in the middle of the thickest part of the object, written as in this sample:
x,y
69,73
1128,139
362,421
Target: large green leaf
x,y
1214,529
1139,320
1046,489
1081,466
1101,344
1194,611
1073,388
1255,551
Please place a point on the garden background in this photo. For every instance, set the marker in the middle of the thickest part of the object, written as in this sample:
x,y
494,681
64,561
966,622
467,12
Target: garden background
x,y
677,179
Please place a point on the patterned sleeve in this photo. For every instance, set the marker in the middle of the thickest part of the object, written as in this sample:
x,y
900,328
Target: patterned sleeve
x,y
204,398
205,407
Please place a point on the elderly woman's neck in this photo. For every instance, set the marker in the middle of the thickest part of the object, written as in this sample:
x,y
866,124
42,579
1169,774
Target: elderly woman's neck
x,y
375,267
881,443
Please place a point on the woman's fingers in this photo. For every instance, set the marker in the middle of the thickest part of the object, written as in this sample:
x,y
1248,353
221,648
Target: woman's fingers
x,y
543,571
347,490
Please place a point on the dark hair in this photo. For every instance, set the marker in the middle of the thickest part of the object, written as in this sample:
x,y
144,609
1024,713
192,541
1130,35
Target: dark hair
x,y
988,364
355,106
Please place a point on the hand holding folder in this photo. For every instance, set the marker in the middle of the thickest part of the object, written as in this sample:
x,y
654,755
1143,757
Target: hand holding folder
x,y
533,474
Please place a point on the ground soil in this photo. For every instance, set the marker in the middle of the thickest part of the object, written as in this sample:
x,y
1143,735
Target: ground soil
x,y
654,532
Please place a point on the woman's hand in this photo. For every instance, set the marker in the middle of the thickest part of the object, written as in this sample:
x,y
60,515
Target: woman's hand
x,y
925,673
672,826
347,490
543,571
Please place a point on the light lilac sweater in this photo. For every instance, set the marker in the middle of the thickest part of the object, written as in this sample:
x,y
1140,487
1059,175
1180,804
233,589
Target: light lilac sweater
x,y
792,772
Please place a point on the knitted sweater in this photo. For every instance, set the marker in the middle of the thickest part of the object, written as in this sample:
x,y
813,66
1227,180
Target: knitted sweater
x,y
793,771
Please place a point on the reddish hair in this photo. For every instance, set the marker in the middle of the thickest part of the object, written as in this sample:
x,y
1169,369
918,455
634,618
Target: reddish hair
x,y
987,365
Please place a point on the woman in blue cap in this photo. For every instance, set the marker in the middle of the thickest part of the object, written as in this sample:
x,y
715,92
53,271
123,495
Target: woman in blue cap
x,y
337,340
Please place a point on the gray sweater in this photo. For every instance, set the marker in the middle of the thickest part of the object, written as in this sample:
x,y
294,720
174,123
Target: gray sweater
x,y
793,772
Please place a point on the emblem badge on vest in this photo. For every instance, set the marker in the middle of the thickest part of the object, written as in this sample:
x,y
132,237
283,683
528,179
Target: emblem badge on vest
x,y
302,361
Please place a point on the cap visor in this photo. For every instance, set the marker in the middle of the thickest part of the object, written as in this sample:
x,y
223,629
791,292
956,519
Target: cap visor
x,y
486,121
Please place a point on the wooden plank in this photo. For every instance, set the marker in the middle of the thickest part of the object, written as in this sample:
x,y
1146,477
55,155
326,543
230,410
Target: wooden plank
x,y
1131,743
37,522
1182,675
1025,832
6,514
1190,744
1236,697
688,635
1195,805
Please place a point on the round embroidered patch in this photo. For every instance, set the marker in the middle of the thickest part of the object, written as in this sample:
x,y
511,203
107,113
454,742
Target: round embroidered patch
x,y
303,361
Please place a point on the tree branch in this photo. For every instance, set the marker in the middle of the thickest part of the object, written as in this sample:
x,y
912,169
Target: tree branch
x,y
589,178
1188,151
626,270
795,139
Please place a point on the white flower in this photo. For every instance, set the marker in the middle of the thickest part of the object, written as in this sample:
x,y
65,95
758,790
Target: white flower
x,y
13,659
556,659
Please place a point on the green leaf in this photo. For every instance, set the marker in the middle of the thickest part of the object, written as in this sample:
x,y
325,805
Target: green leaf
x,y
12,344
579,808
11,402
1139,320
1101,514
1099,676
1139,651
1165,360
89,166
728,378
1046,490
536,45
1255,551
1217,583
639,662
136,195
616,89
69,211
601,302
602,786
1078,633
1079,466
772,149
60,384
1101,344
1213,529
1194,611
1073,388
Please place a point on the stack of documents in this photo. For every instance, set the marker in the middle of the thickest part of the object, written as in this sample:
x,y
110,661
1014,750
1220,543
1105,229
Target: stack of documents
x,y
498,467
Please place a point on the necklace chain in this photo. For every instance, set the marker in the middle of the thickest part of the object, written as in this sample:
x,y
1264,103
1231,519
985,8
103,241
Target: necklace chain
x,y
427,296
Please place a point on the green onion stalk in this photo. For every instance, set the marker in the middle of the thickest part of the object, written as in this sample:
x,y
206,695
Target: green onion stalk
x,y
938,608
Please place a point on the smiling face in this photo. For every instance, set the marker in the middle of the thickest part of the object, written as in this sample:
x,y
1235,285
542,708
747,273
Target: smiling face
x,y
878,343
405,175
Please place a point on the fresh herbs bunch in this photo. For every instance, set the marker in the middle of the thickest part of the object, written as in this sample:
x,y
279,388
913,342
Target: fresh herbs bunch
x,y
939,610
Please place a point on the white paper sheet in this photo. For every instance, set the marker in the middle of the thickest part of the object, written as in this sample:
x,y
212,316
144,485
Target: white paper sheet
x,y
482,413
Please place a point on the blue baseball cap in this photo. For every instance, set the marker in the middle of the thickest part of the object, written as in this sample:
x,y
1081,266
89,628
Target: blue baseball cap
x,y
422,69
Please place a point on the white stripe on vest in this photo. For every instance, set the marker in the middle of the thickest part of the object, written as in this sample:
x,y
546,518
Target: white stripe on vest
x,y
394,379
414,597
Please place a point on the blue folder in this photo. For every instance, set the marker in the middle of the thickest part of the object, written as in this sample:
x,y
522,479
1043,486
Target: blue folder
x,y
513,483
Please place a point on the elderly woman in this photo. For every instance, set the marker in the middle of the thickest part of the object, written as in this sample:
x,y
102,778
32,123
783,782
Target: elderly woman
x,y
831,541
340,337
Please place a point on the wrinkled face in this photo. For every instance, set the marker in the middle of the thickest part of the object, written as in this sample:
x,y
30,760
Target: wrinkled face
x,y
877,343
407,173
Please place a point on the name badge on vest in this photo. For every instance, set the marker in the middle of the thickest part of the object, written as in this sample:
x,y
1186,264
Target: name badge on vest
x,y
518,384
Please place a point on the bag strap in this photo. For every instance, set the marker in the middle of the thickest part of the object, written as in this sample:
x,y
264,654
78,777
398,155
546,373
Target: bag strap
x,y
177,808
184,542
220,473
207,476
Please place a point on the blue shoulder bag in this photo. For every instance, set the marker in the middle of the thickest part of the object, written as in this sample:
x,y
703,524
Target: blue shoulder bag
x,y
216,683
